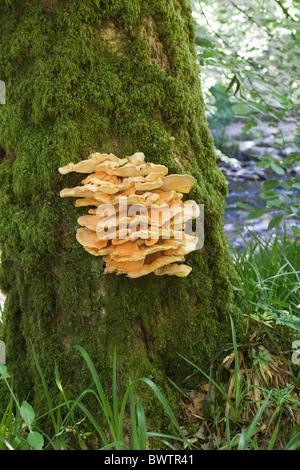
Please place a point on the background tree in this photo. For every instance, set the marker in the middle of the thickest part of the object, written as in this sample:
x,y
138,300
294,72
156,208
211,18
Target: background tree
x,y
114,77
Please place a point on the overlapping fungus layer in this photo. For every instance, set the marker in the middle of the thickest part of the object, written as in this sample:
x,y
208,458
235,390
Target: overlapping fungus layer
x,y
137,220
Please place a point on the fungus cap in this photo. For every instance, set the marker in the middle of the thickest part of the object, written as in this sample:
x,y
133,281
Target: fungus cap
x,y
150,236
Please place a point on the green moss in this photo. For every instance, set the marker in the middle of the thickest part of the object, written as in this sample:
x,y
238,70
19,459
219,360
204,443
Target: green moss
x,y
117,77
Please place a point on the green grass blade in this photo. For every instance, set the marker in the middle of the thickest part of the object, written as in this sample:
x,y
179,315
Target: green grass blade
x,y
274,435
133,421
247,435
115,391
45,387
294,443
7,444
114,445
221,389
142,426
102,396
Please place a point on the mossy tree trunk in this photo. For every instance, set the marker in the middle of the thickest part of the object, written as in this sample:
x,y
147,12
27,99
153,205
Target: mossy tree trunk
x,y
117,77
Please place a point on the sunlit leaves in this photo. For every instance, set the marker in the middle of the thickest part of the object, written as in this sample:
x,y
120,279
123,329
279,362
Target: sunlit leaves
x,y
248,52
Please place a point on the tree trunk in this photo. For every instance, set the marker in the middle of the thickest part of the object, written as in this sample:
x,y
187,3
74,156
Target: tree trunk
x,y
115,77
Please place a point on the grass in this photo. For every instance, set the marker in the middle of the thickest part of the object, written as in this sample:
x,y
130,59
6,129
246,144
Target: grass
x,y
256,406
263,381
250,402
20,426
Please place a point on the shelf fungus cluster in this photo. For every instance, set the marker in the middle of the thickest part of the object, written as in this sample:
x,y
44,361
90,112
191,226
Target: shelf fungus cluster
x,y
137,218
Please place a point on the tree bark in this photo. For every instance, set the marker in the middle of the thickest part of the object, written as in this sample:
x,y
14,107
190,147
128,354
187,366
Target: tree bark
x,y
115,77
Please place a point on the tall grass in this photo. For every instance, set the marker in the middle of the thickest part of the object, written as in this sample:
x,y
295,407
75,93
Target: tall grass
x,y
269,409
270,273
20,425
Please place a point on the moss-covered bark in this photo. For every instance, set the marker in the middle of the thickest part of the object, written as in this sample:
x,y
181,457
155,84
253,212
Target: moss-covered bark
x,y
113,76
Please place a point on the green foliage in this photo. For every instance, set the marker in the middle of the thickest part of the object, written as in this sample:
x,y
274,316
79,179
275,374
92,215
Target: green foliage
x,y
17,421
76,81
115,413
270,275
270,295
235,408
20,427
254,46
237,401
223,115
251,50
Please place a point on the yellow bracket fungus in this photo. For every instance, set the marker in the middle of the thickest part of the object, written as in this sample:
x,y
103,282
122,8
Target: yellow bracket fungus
x,y
137,224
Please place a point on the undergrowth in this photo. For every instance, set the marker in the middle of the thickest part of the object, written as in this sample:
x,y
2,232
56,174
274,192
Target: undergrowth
x,y
250,401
